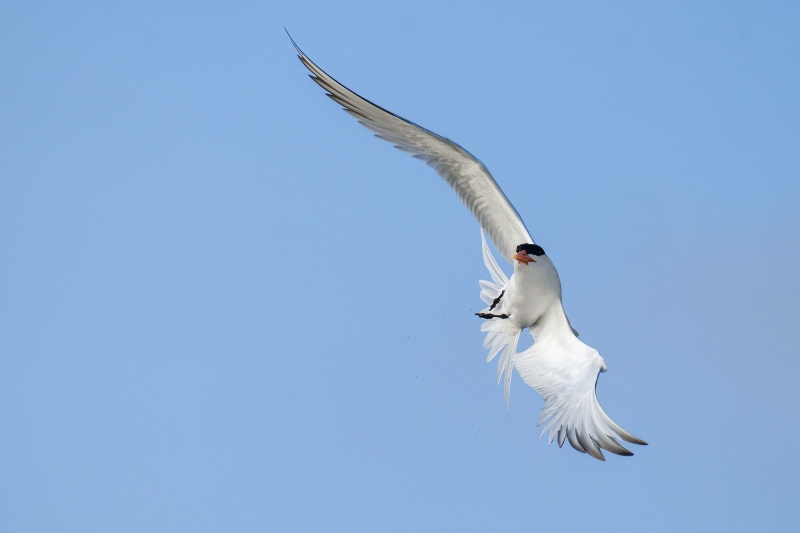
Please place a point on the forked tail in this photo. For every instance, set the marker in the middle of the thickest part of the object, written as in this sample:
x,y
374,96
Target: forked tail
x,y
501,337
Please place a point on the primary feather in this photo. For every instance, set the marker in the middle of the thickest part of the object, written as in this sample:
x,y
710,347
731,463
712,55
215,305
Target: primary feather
x,y
467,176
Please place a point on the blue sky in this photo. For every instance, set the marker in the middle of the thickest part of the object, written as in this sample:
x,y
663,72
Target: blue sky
x,y
224,306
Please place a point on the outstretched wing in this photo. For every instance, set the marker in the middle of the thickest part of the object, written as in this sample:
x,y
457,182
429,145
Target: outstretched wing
x,y
565,371
467,176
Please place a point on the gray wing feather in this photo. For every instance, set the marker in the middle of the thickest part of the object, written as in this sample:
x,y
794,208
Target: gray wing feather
x,y
465,174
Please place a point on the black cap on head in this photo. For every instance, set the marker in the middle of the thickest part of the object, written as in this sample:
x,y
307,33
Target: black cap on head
x,y
531,249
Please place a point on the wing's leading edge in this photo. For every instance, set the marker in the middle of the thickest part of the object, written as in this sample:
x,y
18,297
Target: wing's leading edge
x,y
465,174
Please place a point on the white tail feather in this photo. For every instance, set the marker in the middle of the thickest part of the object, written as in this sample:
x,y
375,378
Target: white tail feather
x,y
501,337
498,276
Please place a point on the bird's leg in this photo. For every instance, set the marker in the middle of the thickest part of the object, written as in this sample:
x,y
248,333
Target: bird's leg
x,y
496,301
494,304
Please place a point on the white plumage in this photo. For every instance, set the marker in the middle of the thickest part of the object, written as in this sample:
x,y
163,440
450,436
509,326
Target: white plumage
x,y
559,366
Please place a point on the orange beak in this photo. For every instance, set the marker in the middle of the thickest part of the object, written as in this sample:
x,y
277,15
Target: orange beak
x,y
523,257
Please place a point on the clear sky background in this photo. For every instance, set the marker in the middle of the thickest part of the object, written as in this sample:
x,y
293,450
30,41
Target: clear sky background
x,y
224,306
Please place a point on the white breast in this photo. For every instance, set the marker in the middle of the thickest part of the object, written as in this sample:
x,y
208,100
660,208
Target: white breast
x,y
532,290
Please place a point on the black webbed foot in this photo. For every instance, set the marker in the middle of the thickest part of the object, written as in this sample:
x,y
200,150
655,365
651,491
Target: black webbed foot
x,y
491,315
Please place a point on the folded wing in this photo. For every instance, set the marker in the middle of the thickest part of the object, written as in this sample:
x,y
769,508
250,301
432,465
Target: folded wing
x,y
465,174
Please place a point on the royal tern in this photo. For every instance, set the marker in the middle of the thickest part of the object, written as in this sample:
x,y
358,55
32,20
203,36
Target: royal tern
x,y
558,365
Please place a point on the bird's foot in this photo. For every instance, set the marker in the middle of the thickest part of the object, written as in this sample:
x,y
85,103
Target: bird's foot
x,y
491,315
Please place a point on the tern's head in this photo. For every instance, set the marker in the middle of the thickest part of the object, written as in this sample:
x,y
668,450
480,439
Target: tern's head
x,y
526,253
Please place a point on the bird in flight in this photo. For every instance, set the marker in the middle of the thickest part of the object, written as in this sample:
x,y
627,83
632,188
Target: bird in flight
x,y
558,365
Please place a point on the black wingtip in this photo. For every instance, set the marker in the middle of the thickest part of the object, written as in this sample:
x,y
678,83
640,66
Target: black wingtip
x,y
633,440
299,52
